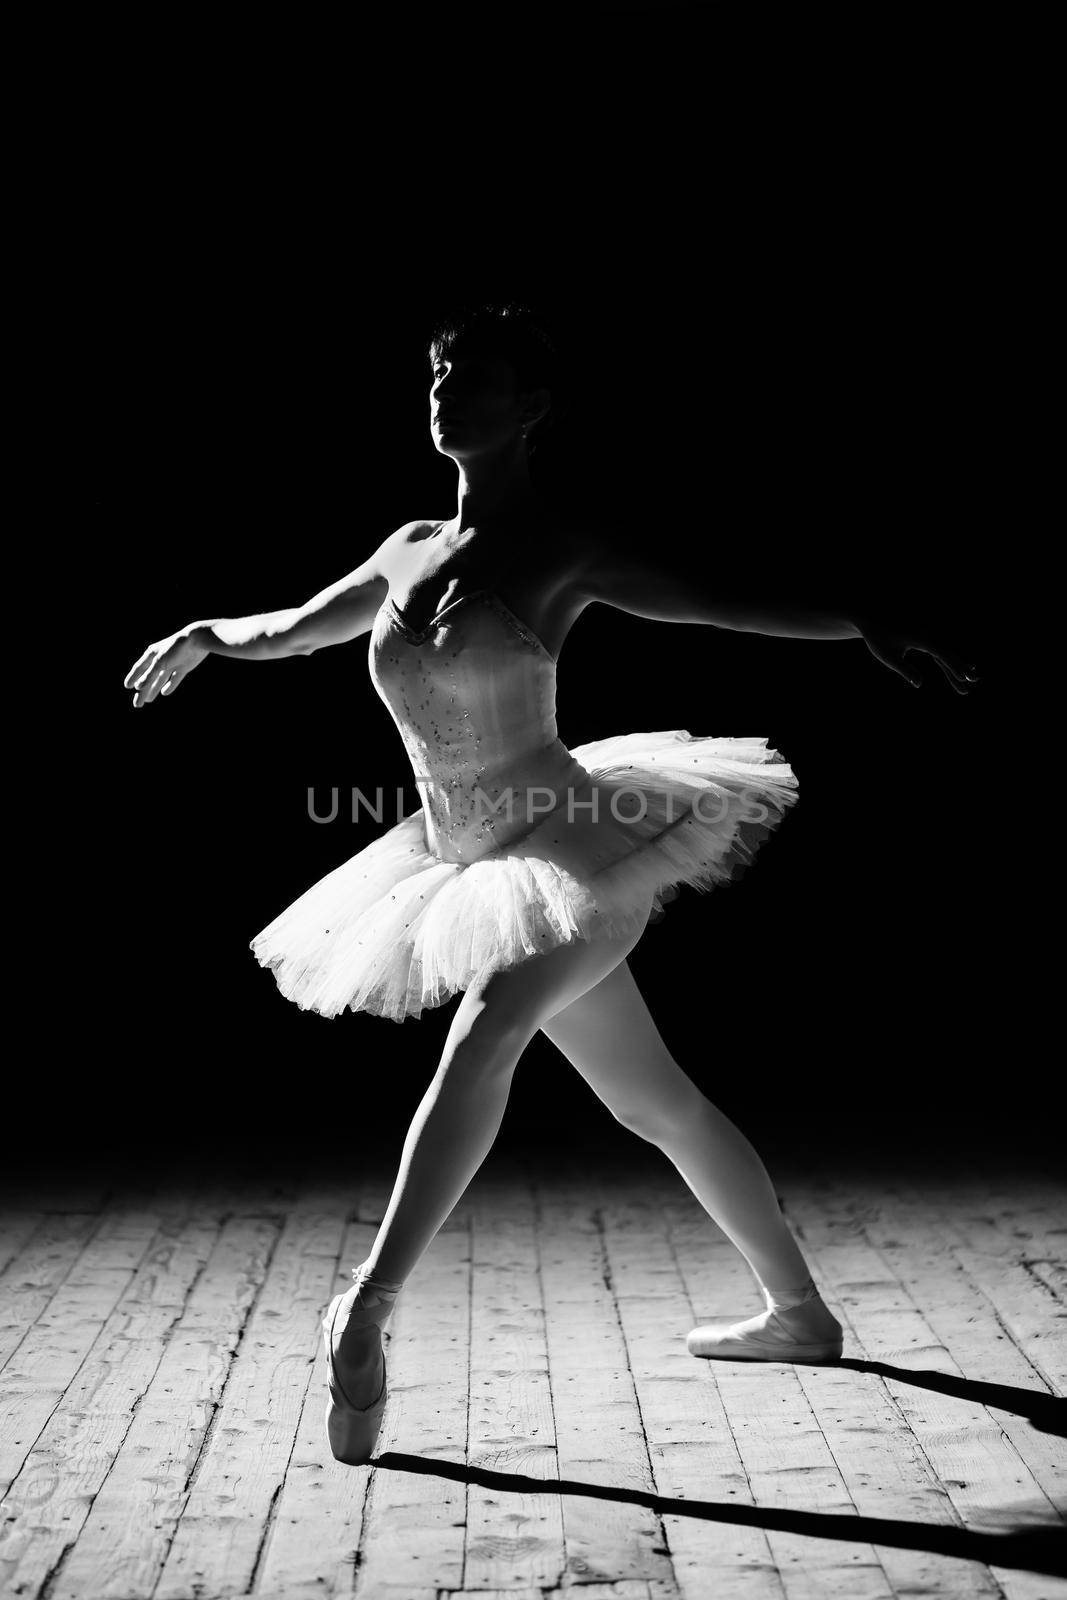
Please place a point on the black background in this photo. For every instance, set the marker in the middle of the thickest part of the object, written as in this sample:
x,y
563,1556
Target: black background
x,y
780,317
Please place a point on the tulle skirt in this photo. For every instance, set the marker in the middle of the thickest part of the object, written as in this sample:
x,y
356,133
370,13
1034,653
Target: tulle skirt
x,y
395,929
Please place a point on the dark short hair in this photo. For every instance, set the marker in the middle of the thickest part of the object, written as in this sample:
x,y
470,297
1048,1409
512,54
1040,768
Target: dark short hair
x,y
514,333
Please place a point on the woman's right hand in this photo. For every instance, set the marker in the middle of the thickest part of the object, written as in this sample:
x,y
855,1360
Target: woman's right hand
x,y
890,645
163,665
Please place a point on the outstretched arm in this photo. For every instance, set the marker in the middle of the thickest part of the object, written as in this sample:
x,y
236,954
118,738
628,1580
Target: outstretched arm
x,y
333,616
758,602
647,586
341,612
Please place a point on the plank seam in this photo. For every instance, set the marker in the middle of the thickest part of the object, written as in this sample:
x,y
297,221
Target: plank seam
x,y
272,1509
268,1521
664,1547
51,1577
467,1430
538,1214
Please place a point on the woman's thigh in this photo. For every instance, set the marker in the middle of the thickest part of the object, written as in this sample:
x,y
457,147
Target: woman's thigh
x,y
609,1035
507,1008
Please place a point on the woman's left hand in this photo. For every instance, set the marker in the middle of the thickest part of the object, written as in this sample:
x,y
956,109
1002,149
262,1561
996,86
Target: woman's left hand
x,y
890,646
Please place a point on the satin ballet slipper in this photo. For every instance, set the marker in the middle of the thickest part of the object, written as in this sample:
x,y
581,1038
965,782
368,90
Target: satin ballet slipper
x,y
353,1430
805,1332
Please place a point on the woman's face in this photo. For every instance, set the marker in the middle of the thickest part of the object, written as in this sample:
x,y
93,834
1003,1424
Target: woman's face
x,y
475,404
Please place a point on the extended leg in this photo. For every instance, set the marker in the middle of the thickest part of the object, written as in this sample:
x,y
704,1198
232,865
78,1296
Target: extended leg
x,y
608,1034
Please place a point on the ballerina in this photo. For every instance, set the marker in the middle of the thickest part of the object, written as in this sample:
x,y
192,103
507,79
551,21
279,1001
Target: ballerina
x,y
529,871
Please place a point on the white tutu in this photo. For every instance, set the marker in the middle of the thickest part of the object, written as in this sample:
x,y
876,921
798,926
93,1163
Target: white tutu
x,y
397,928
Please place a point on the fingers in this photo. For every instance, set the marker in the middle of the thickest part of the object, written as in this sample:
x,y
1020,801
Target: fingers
x,y
141,682
961,666
956,665
959,674
951,664
144,674
159,678
958,683
152,681
141,694
139,667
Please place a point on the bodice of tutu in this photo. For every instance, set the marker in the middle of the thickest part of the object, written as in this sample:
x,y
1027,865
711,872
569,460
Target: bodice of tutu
x,y
474,698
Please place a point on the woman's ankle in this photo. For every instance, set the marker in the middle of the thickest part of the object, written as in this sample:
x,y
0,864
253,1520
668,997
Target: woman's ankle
x,y
813,1313
787,1297
366,1274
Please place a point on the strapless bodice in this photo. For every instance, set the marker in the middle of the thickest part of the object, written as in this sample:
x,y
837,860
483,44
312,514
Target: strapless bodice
x,y
474,698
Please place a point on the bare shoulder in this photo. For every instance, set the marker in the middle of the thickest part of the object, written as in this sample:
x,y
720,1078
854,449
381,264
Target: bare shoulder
x,y
394,547
412,533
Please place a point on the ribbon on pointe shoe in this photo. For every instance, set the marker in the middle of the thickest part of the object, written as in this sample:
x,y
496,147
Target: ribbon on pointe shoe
x,y
361,1276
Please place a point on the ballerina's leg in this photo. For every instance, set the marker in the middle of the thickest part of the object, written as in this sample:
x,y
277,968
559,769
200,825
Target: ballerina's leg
x,y
609,1036
455,1126
460,1114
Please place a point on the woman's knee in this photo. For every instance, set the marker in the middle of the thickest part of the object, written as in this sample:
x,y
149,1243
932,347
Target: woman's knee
x,y
665,1117
484,1039
642,1121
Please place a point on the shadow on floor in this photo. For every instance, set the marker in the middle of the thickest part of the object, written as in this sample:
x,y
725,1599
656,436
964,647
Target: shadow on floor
x,y
1031,1549
1047,1412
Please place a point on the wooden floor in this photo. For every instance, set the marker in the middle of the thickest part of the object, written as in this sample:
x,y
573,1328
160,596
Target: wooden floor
x,y
547,1429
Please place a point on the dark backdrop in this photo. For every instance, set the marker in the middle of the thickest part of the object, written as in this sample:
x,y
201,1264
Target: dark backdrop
x,y
770,369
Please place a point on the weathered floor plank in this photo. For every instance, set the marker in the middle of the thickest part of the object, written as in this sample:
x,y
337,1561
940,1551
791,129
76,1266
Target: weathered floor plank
x,y
239,1474
43,1364
514,1534
600,1436
131,1524
695,1455
35,1271
64,1471
414,1528
977,1468
966,1319
878,1458
16,1229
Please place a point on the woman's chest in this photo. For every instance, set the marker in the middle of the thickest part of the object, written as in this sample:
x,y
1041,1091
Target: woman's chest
x,y
427,577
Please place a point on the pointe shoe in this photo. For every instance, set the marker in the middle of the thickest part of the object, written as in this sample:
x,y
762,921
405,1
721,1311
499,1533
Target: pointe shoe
x,y
805,1332
353,1430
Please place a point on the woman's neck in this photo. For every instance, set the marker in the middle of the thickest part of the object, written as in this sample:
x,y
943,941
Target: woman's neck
x,y
493,487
